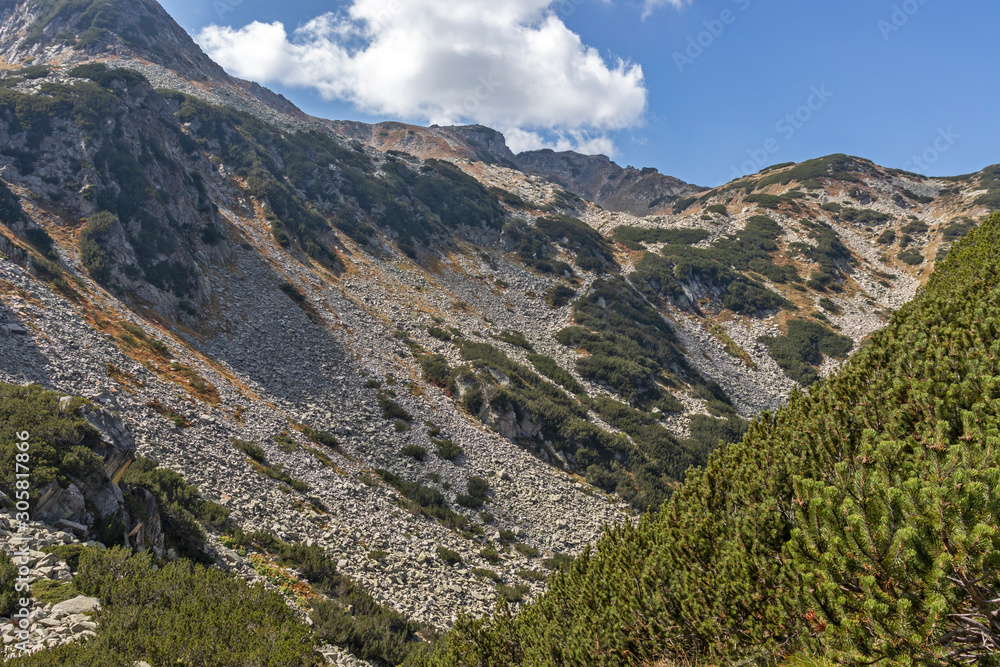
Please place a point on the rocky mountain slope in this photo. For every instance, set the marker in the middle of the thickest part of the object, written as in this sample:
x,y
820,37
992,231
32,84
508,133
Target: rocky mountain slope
x,y
436,348
593,177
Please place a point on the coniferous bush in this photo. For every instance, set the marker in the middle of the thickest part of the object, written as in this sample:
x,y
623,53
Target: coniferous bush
x,y
857,524
181,613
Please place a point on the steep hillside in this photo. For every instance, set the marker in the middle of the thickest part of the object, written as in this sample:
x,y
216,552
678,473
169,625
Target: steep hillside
x,y
593,177
858,524
444,373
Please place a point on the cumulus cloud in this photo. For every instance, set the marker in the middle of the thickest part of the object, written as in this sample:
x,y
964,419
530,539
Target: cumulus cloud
x,y
512,65
651,5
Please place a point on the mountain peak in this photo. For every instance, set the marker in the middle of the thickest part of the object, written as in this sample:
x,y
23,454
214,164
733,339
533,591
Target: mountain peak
x,y
56,31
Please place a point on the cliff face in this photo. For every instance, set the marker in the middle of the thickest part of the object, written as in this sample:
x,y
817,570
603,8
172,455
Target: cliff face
x,y
95,501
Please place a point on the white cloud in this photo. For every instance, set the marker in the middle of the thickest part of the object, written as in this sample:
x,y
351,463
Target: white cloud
x,y
512,65
651,5
519,140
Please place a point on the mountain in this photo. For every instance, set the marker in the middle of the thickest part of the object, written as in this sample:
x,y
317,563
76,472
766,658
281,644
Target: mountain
x,y
855,525
414,370
598,179
593,177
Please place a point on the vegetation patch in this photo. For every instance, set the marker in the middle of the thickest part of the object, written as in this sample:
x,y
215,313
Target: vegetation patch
x,y
635,238
801,350
827,535
836,167
911,256
181,613
181,508
425,500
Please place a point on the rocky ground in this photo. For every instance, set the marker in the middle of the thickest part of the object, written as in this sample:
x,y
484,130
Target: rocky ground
x,y
51,624
281,369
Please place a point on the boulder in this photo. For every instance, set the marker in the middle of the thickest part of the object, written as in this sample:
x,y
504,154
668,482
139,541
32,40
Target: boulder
x,y
81,604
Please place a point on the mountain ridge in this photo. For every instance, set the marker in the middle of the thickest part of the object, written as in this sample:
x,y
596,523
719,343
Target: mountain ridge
x,y
345,345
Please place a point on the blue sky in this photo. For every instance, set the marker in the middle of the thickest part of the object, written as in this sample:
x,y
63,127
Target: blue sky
x,y
703,91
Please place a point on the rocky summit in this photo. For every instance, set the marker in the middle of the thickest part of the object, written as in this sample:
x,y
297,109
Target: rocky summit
x,y
442,367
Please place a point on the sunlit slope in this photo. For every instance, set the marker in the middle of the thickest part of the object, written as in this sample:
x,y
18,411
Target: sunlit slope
x,y
859,522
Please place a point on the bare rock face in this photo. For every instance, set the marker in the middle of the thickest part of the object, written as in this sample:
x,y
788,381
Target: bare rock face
x,y
598,179
119,447
145,530
96,497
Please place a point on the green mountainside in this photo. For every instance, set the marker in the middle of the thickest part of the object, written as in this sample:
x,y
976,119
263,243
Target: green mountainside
x,y
859,523
400,379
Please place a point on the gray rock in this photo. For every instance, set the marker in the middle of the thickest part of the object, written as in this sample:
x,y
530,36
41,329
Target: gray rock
x,y
81,604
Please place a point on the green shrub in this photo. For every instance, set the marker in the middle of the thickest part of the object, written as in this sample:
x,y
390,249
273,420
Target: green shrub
x,y
548,367
61,442
393,410
425,500
49,591
888,237
11,212
415,451
179,614
490,555
764,200
321,438
369,630
864,216
957,229
180,506
513,593
829,306
515,338
911,257
559,295
477,488
486,574
558,561
634,238
447,449
9,597
93,255
836,167
448,556
801,349
526,550
439,333
916,227
71,553
254,451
